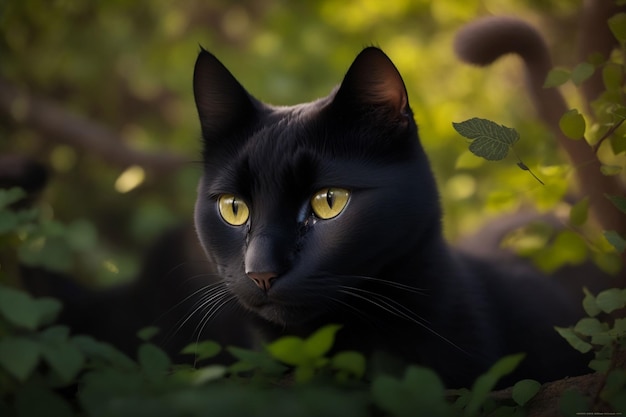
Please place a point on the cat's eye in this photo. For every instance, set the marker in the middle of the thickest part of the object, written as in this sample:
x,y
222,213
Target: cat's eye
x,y
329,202
233,210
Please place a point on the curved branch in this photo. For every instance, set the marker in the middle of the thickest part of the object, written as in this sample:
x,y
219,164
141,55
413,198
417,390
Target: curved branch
x,y
54,121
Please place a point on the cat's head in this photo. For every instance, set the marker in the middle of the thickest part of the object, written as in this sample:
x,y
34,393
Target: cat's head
x,y
299,205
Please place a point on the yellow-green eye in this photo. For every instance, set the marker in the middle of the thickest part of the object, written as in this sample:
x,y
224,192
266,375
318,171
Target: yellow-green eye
x,y
329,202
233,210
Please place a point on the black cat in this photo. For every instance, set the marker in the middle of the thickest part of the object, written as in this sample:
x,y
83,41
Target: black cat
x,y
327,212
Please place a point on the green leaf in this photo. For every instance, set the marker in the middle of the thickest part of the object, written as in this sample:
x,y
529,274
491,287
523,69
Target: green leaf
x,y
250,360
600,365
64,358
10,196
618,201
579,212
21,310
485,383
103,352
556,77
289,350
589,304
573,403
611,300
615,240
319,343
612,76
203,350
525,390
421,392
349,362
81,235
209,373
582,72
19,356
148,333
572,124
589,327
610,170
153,361
489,140
614,385
37,400
573,339
617,24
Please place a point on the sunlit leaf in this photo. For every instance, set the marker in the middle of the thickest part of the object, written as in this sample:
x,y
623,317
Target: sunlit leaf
x,y
617,24
612,76
320,342
288,350
572,124
610,170
579,212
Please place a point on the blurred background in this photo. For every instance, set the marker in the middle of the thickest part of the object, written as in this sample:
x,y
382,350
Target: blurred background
x,y
100,92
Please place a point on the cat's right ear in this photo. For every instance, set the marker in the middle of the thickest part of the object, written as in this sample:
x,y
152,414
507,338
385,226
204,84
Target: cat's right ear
x,y
223,104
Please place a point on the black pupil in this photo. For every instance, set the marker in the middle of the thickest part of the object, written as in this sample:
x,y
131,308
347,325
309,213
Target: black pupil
x,y
235,206
330,198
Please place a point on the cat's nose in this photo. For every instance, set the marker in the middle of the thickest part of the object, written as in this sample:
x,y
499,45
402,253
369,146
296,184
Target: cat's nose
x,y
263,280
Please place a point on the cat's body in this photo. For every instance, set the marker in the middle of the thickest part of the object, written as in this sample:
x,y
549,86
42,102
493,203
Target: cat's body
x,y
327,212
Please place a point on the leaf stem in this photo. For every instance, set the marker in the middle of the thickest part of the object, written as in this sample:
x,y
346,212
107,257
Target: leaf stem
x,y
607,135
523,166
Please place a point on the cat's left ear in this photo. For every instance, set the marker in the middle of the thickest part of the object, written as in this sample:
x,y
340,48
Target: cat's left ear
x,y
373,82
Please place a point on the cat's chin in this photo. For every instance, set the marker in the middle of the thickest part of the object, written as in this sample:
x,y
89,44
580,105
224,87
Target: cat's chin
x,y
284,316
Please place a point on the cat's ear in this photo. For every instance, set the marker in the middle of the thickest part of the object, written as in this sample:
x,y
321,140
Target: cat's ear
x,y
373,82
222,102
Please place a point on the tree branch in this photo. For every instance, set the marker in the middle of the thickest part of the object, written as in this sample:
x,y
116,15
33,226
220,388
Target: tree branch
x,y
55,122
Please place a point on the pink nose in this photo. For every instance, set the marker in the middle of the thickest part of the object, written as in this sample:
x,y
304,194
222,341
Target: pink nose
x,y
263,280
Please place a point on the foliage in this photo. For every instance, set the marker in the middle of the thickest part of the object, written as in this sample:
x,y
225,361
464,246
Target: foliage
x,y
606,337
45,370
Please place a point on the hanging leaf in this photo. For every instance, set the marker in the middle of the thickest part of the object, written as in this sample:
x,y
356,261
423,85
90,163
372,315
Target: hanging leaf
x,y
489,139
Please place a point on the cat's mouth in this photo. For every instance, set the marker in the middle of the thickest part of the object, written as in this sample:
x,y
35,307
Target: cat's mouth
x,y
278,307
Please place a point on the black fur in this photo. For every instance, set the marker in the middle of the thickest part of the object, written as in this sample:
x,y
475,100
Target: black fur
x,y
381,268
